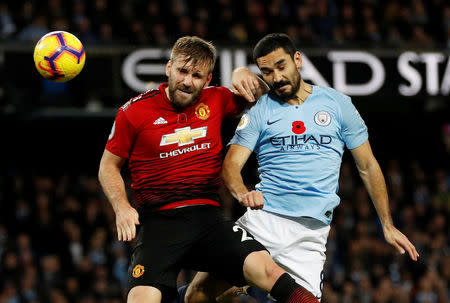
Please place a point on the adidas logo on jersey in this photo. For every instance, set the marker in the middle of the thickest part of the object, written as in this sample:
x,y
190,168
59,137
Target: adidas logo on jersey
x,y
160,120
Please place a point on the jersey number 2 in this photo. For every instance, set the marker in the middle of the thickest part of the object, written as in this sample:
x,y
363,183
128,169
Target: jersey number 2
x,y
244,233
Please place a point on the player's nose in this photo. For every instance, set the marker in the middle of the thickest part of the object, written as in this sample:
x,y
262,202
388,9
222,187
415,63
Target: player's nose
x,y
277,76
187,80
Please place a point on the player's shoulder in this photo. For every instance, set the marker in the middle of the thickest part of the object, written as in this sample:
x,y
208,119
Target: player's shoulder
x,y
140,99
331,93
266,101
217,90
263,107
217,95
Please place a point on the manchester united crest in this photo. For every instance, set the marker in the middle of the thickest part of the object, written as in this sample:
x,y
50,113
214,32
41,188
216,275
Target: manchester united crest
x,y
138,271
202,111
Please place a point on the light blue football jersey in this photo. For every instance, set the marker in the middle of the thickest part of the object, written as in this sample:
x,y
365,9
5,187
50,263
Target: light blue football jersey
x,y
299,150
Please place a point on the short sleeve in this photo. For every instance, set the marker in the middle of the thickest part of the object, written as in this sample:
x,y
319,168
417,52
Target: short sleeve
x,y
122,136
354,130
248,130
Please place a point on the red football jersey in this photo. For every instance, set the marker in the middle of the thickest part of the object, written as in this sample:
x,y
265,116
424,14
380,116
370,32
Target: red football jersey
x,y
174,155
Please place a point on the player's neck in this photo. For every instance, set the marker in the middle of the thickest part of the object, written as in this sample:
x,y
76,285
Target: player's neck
x,y
303,92
166,91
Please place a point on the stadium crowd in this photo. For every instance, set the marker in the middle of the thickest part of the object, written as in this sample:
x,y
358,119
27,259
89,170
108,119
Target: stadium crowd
x,y
57,232
58,241
392,23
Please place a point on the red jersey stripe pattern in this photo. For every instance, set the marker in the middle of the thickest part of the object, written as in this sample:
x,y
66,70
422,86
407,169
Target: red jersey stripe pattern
x,y
173,155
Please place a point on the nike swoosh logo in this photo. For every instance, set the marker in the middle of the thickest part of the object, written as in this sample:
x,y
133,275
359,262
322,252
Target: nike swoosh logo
x,y
272,122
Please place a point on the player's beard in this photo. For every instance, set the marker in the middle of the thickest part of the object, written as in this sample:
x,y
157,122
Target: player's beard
x,y
289,92
181,96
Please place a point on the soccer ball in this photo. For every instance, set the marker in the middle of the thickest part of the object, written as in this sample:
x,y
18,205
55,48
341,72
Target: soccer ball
x,y
59,56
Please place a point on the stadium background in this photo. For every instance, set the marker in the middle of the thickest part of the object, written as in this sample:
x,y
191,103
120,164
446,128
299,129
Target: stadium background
x,y
57,240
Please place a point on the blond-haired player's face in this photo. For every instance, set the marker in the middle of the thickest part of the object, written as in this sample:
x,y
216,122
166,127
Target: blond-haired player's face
x,y
280,71
186,80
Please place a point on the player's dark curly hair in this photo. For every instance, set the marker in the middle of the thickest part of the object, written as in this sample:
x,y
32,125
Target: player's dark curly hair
x,y
272,42
196,49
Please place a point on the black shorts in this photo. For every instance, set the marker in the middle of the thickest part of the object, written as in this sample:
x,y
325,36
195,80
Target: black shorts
x,y
195,237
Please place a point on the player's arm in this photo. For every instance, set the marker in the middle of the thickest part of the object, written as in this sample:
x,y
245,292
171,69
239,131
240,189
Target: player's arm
x,y
246,84
114,187
235,160
373,179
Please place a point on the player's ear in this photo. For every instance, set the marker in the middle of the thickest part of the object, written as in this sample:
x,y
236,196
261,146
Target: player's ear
x,y
298,59
168,67
208,80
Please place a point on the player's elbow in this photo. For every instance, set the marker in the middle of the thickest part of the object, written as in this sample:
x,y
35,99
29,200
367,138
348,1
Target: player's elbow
x,y
104,170
101,173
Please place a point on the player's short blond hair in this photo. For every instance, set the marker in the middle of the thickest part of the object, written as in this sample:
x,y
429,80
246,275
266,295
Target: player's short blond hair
x,y
196,49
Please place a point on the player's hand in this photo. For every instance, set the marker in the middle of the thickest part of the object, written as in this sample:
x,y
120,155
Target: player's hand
x,y
126,220
246,84
394,237
253,199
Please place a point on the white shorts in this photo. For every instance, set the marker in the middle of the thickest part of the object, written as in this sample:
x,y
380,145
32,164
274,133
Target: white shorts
x,y
296,244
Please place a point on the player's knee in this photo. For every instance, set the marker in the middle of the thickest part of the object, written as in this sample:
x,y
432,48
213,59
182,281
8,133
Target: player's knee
x,y
146,294
260,270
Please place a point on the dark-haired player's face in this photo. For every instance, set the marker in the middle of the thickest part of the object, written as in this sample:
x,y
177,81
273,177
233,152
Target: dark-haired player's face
x,y
280,71
186,80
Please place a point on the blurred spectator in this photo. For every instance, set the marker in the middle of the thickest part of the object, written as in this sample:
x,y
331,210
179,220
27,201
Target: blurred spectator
x,y
69,252
200,29
85,32
34,31
325,19
74,241
10,293
372,33
78,12
7,25
26,13
278,15
394,39
225,20
120,265
325,22
55,9
97,247
138,35
159,34
419,38
100,14
51,271
184,26
238,34
446,137
60,24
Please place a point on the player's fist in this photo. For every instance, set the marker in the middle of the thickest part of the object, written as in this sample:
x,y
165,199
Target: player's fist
x,y
253,199
246,84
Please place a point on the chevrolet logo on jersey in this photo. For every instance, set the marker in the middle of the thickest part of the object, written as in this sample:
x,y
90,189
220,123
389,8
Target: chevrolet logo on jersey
x,y
184,136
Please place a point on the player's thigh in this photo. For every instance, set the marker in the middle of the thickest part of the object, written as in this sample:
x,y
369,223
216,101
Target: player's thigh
x,y
223,250
154,266
297,245
307,259
157,258
144,294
